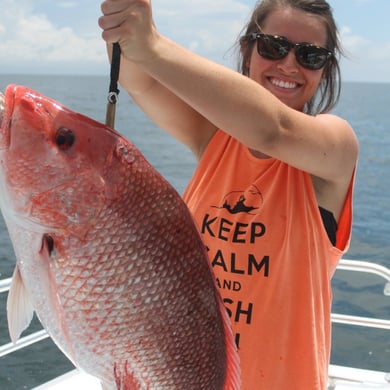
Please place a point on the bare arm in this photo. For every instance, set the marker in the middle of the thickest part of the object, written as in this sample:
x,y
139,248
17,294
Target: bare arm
x,y
166,109
324,146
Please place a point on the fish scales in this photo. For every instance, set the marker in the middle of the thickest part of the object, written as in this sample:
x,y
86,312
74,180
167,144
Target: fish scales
x,y
110,258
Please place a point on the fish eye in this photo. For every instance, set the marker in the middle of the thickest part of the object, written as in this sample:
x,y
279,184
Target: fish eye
x,y
64,138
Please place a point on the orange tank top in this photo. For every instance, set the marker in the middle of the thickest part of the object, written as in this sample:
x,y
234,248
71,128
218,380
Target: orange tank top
x,y
272,260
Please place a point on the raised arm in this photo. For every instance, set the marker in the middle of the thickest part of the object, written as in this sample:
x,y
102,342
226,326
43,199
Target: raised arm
x,y
324,145
165,108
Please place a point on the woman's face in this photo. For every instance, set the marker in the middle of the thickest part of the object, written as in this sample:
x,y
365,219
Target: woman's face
x,y
285,78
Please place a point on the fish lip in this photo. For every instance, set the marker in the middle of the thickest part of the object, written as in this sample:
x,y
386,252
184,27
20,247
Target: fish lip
x,y
2,106
7,101
2,109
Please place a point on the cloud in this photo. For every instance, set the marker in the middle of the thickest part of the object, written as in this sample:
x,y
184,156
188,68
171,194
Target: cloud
x,y
365,57
37,38
206,27
67,4
33,42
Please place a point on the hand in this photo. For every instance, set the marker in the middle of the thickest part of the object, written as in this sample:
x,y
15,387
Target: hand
x,y
130,23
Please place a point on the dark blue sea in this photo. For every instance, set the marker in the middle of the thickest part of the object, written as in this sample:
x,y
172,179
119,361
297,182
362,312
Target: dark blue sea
x,y
365,106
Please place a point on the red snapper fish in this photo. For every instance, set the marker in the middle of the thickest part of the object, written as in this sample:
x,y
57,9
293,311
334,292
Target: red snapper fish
x,y
107,254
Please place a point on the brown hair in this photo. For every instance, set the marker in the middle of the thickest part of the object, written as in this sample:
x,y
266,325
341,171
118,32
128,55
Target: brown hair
x,y
328,92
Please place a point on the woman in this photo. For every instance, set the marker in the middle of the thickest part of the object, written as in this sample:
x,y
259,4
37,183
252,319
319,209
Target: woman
x,y
272,190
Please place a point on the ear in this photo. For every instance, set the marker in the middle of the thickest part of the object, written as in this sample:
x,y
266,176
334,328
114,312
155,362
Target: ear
x,y
243,46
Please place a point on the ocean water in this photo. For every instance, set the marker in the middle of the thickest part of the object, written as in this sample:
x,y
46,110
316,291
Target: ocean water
x,y
364,105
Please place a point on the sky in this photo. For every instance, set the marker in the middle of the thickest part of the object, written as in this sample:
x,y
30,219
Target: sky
x,y
63,37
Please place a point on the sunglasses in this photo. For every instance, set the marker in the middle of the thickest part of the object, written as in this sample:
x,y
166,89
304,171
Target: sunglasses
x,y
275,47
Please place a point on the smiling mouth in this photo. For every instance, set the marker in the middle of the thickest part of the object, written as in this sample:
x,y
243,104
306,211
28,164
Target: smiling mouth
x,y
283,84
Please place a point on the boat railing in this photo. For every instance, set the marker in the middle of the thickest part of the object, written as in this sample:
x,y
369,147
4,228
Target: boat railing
x,y
345,265
25,341
371,268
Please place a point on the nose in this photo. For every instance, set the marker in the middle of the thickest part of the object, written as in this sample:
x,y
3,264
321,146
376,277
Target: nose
x,y
289,64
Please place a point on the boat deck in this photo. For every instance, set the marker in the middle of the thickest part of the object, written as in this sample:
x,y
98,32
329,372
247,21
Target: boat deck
x,y
340,377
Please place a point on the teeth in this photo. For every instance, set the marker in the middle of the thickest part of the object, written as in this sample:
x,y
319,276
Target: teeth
x,y
283,84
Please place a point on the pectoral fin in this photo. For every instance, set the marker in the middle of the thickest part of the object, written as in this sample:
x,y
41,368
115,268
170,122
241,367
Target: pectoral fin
x,y
19,308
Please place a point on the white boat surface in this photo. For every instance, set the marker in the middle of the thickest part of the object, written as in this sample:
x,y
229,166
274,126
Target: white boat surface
x,y
340,377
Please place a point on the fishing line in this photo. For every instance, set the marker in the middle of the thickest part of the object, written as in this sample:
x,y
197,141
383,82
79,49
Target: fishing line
x,y
113,91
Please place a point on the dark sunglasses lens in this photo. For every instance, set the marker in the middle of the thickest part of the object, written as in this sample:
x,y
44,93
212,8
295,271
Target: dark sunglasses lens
x,y
272,48
312,57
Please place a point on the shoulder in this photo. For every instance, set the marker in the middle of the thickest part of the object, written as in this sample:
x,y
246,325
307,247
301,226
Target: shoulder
x,y
344,138
334,119
338,126
331,189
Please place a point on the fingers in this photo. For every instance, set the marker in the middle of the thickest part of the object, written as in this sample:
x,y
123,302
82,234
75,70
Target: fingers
x,y
109,7
130,23
114,15
110,25
123,14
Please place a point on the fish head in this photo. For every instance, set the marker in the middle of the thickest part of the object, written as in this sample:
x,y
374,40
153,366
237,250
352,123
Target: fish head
x,y
54,163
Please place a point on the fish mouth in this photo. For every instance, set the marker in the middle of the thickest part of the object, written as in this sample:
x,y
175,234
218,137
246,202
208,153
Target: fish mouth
x,y
4,132
2,107
6,108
